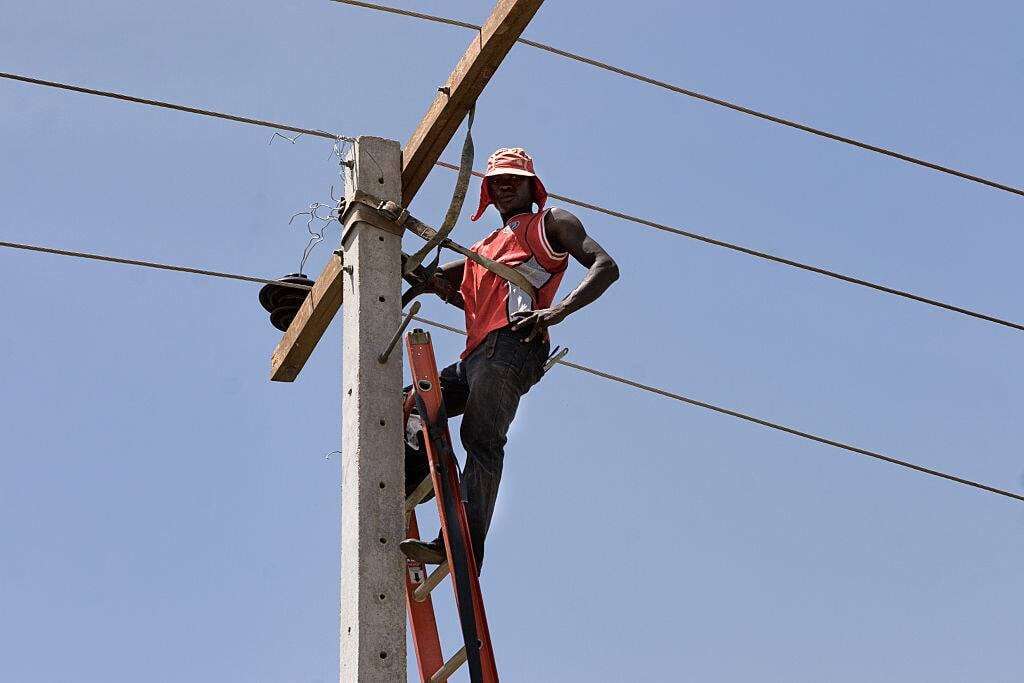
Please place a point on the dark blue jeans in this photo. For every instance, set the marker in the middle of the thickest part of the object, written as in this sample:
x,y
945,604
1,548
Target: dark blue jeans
x,y
485,389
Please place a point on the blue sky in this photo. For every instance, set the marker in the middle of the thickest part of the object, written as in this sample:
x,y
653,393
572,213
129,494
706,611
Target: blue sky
x,y
168,514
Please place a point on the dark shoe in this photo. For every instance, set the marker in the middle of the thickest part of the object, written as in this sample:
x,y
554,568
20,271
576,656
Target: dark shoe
x,y
422,551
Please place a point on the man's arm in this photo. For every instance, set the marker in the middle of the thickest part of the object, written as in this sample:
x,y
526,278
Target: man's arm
x,y
445,283
566,233
447,280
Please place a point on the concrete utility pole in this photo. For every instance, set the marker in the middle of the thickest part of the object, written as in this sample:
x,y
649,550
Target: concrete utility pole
x,y
368,279
373,475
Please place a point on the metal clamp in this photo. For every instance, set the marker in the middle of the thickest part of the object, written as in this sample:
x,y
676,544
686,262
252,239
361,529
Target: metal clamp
x,y
393,212
366,208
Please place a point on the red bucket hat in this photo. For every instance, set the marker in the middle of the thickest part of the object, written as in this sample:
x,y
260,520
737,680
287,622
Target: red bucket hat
x,y
510,161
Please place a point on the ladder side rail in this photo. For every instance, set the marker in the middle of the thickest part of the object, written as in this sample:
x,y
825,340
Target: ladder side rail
x,y
457,547
425,638
454,489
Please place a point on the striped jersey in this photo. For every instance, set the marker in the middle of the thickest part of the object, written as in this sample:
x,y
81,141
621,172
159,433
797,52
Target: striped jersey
x,y
491,301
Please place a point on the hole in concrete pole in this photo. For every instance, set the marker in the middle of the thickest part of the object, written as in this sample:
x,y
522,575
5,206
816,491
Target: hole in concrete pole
x,y
381,299
381,596
383,540
383,485
383,655
380,237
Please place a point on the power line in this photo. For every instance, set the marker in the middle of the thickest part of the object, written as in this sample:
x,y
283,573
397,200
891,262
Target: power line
x,y
410,13
700,96
756,420
148,264
569,200
574,366
175,107
771,257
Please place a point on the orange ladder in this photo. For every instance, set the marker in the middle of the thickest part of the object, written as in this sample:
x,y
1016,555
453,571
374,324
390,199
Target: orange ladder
x,y
461,564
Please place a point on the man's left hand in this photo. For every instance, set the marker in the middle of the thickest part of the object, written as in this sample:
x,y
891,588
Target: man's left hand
x,y
537,321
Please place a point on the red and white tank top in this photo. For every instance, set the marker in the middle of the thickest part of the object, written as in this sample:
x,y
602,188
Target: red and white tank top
x,y
492,301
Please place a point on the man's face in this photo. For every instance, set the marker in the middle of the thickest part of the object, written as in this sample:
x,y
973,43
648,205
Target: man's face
x,y
511,193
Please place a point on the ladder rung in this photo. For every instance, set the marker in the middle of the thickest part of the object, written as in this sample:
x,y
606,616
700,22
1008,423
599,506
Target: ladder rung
x,y
416,497
450,667
422,591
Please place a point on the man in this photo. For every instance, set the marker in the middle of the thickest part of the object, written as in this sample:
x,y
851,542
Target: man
x,y
507,342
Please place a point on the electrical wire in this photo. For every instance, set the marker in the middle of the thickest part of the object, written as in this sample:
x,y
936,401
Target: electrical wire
x,y
149,264
410,13
175,107
770,257
756,420
700,96
569,364
569,200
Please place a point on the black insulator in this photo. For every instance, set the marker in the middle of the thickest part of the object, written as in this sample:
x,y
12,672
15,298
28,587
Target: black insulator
x,y
283,302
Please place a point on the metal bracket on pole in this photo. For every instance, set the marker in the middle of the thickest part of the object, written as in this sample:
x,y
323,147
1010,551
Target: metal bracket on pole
x,y
555,357
413,310
366,208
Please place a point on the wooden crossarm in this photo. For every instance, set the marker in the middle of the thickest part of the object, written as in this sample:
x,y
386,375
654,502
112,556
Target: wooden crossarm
x,y
471,75
309,324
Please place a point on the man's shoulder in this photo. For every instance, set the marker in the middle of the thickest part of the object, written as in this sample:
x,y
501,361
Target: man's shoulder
x,y
557,214
559,222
